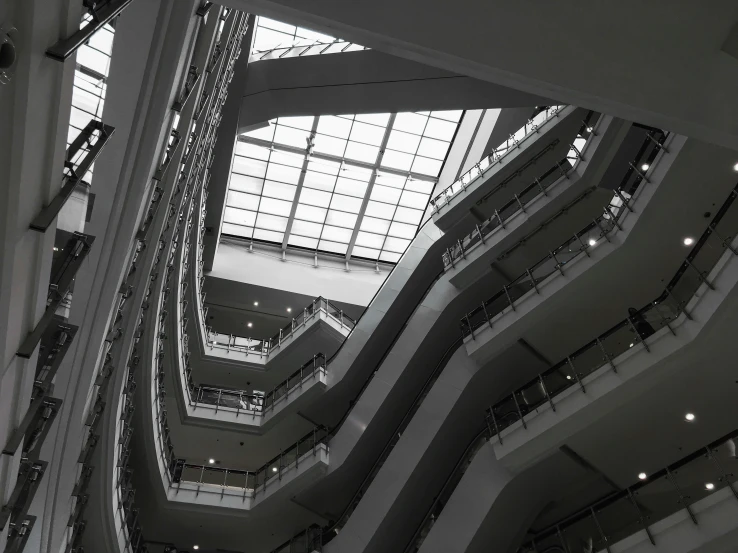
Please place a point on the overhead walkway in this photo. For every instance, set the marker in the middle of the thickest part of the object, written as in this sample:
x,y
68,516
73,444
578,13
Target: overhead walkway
x,y
507,44
367,81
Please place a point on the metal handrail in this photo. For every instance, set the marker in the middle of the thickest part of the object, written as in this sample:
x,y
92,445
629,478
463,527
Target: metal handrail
x,y
538,186
579,244
486,163
630,495
503,413
570,371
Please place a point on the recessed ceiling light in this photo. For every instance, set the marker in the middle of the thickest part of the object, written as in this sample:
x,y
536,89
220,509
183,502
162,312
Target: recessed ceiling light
x,y
631,345
249,325
568,377
645,167
642,476
589,129
710,486
211,461
256,303
688,241
289,310
689,417
274,469
735,167
195,547
592,241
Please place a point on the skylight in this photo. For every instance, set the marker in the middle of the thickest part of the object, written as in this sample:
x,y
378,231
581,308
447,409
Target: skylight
x,y
354,185
275,39
90,83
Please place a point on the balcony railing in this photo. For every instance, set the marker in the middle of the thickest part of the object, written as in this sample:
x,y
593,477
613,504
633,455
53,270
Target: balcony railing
x,y
231,342
305,48
600,352
487,163
243,401
612,518
629,332
589,237
538,186
290,458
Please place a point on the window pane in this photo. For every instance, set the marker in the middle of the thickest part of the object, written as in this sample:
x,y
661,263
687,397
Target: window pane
x,y
303,242
362,152
265,133
243,201
248,166
334,126
368,253
236,230
407,215
346,203
386,194
401,230
319,181
379,119
369,240
239,216
432,148
370,224
275,207
279,190
268,235
252,150
336,234
368,134
397,245
282,173
397,160
380,210
390,257
403,142
410,122
350,187
329,145
443,130
315,197
310,213
340,219
305,123
303,228
332,247
426,166
245,183
271,222
291,137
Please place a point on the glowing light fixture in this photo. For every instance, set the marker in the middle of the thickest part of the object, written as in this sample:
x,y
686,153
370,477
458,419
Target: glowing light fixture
x,y
642,476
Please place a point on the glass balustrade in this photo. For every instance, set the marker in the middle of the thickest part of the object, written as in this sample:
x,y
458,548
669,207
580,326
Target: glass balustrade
x,y
600,352
243,401
487,163
635,329
290,458
590,236
635,509
561,169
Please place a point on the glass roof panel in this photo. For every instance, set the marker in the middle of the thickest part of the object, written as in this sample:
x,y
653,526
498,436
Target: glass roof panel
x,y
272,34
329,174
